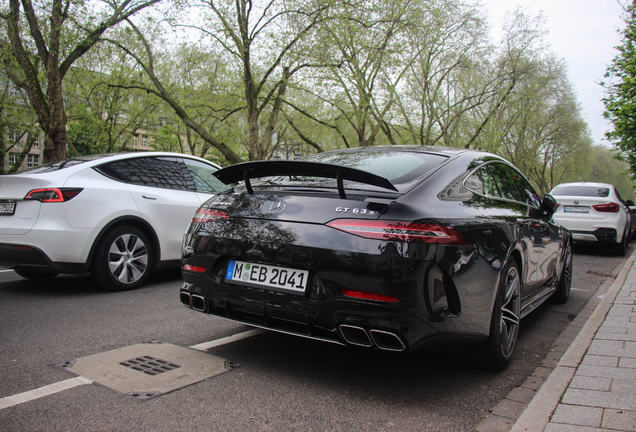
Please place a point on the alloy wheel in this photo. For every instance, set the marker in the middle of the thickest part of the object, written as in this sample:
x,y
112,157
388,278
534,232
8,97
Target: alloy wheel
x,y
128,258
510,312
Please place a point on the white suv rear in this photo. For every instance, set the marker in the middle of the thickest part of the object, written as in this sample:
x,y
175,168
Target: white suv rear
x,y
594,212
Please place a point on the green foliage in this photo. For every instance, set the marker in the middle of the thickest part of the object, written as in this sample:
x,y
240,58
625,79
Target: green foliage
x,y
604,167
620,102
84,136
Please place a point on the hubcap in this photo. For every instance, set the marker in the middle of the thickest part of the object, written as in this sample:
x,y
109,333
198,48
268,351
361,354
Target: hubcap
x,y
510,311
128,258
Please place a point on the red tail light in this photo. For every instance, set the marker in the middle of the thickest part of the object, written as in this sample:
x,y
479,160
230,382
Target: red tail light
x,y
50,195
369,296
194,268
204,215
607,208
409,232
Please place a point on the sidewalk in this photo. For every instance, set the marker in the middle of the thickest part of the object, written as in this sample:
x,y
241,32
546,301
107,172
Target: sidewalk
x,y
588,382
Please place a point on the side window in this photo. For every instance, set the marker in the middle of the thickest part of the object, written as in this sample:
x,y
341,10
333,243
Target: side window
x,y
513,185
161,172
482,182
202,177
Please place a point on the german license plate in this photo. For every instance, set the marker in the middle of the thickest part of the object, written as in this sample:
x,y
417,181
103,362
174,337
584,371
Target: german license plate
x,y
576,209
7,209
267,276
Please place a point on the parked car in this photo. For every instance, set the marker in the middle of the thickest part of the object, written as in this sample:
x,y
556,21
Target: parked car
x,y
118,216
397,248
594,213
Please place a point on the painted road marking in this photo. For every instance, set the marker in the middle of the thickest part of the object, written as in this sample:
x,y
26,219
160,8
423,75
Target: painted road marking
x,y
48,390
226,340
30,395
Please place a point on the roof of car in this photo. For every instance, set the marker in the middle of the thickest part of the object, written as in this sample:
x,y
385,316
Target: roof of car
x,y
593,184
78,163
449,151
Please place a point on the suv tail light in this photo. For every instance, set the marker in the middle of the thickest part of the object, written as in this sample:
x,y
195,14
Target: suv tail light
x,y
607,208
50,195
204,215
410,232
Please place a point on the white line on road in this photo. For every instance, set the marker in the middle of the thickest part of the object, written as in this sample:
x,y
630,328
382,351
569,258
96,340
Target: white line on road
x,y
30,395
226,340
48,390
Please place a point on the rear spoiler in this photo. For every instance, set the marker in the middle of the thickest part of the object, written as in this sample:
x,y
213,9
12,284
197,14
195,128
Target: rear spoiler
x,y
249,170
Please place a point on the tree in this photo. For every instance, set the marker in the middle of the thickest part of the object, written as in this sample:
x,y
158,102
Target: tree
x,y
449,77
43,40
102,116
18,127
620,100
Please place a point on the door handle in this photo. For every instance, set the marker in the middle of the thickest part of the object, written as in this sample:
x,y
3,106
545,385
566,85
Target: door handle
x,y
149,198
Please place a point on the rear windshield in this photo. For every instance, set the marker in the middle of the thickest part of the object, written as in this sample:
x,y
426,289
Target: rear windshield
x,y
397,167
585,191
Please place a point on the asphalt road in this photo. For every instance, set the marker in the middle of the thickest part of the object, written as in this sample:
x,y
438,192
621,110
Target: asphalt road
x,y
278,382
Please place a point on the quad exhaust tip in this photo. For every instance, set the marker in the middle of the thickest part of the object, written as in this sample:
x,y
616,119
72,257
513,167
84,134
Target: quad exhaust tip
x,y
193,301
383,340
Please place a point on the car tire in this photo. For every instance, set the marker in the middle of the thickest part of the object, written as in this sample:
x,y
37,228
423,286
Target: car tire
x,y
562,294
495,352
123,259
35,275
620,248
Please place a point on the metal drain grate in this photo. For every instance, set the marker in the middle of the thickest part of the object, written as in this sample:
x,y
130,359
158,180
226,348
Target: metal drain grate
x,y
150,365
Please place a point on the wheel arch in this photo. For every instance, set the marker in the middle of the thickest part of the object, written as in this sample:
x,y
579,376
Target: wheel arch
x,y
138,223
516,254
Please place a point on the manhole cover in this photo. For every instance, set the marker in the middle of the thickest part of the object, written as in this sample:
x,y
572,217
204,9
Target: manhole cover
x,y
148,370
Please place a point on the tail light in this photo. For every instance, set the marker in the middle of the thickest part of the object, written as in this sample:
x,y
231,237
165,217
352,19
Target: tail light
x,y
50,195
607,208
205,215
369,296
410,232
194,268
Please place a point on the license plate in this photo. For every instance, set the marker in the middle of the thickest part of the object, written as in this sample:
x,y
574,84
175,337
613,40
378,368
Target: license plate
x,y
576,209
267,276
7,209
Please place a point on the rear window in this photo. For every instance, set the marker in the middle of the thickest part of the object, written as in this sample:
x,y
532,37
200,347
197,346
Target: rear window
x,y
397,167
584,191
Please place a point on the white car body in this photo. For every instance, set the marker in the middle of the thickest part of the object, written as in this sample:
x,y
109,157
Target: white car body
x,y
46,238
593,212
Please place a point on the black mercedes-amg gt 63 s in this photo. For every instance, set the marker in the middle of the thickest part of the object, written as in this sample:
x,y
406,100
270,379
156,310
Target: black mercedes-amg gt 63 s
x,y
396,248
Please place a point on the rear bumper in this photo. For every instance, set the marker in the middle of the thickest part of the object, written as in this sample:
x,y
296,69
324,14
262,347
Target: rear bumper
x,y
600,235
29,257
335,320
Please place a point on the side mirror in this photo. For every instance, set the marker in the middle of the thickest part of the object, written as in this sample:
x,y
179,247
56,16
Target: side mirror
x,y
549,206
629,203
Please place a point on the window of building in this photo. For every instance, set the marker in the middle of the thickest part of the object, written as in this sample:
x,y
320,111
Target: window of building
x,y
14,136
13,158
36,141
144,141
33,160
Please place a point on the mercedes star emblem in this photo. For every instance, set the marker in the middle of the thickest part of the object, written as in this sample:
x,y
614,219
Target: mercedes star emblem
x,y
277,207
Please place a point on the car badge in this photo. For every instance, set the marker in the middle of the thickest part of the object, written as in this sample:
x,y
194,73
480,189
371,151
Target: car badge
x,y
576,202
277,207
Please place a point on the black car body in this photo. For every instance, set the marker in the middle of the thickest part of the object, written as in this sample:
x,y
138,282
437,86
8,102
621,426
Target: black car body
x,y
398,248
